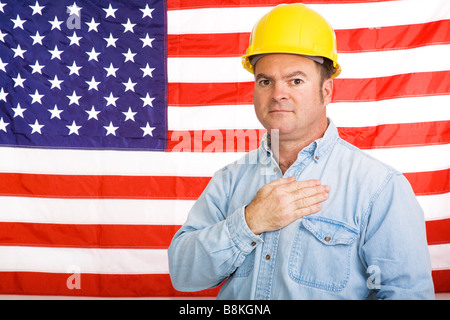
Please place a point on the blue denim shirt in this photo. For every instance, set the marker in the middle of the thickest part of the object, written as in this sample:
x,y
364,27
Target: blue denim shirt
x,y
367,241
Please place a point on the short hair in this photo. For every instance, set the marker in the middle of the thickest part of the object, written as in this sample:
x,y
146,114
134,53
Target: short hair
x,y
326,69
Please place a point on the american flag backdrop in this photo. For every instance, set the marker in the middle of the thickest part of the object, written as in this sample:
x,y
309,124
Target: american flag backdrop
x,y
115,114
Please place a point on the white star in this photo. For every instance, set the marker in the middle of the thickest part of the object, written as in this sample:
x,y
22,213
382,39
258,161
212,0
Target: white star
x,y
36,97
56,113
148,100
110,11
18,23
56,24
18,52
36,127
93,84
147,12
128,26
1,6
74,39
37,9
36,67
129,115
56,82
92,113
129,56
148,130
18,82
147,41
92,25
74,98
74,10
18,111
129,85
111,41
74,69
55,53
37,38
2,36
93,55
3,95
73,128
110,129
111,100
3,124
3,65
111,71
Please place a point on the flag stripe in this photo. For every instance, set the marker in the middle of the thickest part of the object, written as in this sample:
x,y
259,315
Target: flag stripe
x,y
121,261
229,19
87,236
437,231
94,285
382,136
398,86
101,211
156,187
351,40
182,164
101,187
129,236
140,212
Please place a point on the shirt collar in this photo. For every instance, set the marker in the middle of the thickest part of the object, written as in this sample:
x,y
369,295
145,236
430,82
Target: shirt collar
x,y
317,148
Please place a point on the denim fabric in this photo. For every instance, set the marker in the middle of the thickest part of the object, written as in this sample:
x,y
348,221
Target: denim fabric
x,y
368,240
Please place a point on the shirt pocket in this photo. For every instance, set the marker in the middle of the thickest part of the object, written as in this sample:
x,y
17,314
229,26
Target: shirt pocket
x,y
320,254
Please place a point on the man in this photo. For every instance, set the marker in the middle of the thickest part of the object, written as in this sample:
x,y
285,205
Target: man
x,y
307,215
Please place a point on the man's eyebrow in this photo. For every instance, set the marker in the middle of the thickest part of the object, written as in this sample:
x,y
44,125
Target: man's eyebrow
x,y
288,76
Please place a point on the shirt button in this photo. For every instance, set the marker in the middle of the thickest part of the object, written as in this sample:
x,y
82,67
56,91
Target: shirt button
x,y
267,256
275,169
327,239
316,157
253,243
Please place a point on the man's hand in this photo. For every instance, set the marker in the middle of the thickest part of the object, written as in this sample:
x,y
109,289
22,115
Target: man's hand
x,y
283,201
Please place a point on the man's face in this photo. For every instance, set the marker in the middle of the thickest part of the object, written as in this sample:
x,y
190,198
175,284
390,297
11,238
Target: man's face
x,y
289,97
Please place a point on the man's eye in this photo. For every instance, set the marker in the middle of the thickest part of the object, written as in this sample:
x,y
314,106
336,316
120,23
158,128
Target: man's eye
x,y
264,83
297,81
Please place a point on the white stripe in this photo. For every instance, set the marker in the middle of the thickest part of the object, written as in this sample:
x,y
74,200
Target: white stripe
x,y
414,159
94,211
340,16
108,162
440,256
436,206
354,65
390,111
23,160
213,117
139,212
343,114
70,260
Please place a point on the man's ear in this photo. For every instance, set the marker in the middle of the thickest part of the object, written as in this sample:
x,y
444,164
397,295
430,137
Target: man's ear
x,y
327,91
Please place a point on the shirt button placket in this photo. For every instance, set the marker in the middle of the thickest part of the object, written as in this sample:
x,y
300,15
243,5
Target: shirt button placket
x,y
267,265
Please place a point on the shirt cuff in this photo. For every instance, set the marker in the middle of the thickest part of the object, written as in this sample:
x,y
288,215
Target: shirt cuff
x,y
240,233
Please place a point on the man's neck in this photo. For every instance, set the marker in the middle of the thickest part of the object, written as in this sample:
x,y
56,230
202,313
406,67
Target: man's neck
x,y
286,150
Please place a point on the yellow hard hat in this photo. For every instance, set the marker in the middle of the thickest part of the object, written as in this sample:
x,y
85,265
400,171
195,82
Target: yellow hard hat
x,y
292,28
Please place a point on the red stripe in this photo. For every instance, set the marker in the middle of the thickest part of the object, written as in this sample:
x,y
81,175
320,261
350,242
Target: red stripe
x,y
382,136
189,188
397,135
95,285
374,89
196,4
350,40
438,231
441,279
429,182
100,187
87,236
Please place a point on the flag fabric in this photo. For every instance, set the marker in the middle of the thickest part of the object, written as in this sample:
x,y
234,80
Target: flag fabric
x,y
115,114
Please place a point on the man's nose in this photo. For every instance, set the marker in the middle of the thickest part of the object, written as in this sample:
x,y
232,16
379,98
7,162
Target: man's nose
x,y
280,91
